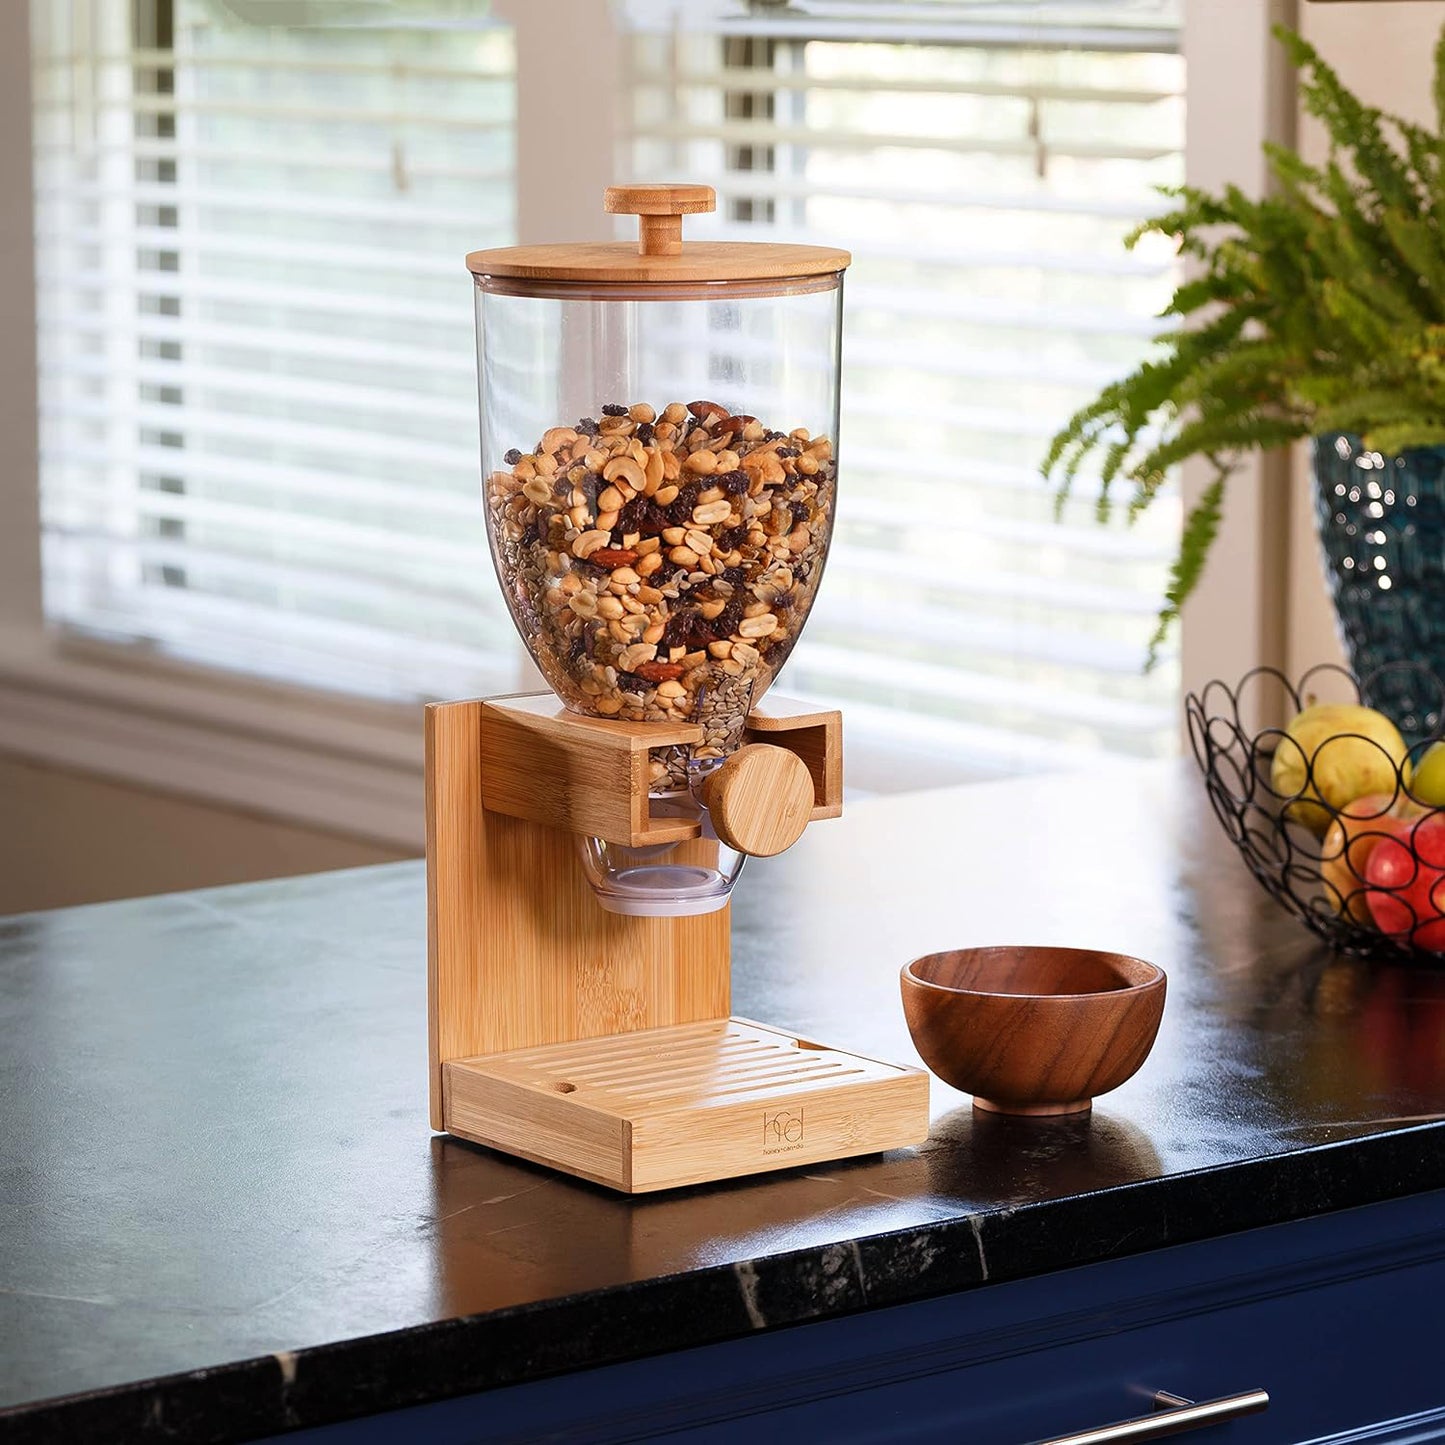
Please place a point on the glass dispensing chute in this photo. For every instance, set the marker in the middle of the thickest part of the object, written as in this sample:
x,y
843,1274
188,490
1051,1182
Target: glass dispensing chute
x,y
658,431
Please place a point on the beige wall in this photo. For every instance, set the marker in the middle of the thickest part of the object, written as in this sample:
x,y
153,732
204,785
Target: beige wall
x,y
70,838
1382,51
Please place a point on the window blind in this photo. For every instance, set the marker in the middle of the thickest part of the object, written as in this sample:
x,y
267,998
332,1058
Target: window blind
x,y
258,396
983,163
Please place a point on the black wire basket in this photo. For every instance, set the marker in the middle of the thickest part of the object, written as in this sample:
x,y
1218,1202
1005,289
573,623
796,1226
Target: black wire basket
x,y
1312,849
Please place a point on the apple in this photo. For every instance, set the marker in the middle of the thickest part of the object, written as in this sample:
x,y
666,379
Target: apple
x,y
1347,847
1428,784
1406,877
1333,753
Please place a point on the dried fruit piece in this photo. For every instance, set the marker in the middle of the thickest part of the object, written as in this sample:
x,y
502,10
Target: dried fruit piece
x,y
658,671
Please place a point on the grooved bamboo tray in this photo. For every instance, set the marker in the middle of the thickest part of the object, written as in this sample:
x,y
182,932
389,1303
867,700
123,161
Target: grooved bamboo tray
x,y
672,1106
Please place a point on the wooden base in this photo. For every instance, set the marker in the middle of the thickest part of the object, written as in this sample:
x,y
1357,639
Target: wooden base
x,y
665,1107
601,1044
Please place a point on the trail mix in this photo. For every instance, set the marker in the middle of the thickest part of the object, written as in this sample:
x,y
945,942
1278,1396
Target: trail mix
x,y
660,565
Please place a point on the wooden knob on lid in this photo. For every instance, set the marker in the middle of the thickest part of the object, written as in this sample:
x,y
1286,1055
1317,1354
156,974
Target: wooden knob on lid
x,y
659,210
760,799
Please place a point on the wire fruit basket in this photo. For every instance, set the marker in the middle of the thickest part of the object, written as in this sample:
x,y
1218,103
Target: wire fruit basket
x,y
1365,874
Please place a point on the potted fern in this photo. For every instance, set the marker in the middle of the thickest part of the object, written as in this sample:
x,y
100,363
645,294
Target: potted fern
x,y
1317,312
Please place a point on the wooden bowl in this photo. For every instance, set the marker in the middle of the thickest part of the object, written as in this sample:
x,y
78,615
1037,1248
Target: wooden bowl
x,y
1033,1030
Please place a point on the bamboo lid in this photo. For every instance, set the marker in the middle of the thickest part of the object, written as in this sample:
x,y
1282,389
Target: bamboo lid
x,y
660,258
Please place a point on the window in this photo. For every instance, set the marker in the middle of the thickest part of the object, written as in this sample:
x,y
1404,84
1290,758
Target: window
x,y
257,371
258,398
983,162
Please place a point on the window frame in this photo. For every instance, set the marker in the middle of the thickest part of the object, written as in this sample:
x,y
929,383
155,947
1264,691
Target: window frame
x,y
355,766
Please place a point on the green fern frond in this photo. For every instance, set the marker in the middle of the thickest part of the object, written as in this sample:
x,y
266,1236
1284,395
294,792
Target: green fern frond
x,y
1200,529
1318,307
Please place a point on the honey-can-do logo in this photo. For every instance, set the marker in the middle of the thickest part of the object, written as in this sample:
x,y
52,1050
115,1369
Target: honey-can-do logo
x,y
782,1130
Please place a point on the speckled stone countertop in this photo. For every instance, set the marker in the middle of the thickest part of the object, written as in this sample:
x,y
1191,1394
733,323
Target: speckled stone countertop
x,y
224,1215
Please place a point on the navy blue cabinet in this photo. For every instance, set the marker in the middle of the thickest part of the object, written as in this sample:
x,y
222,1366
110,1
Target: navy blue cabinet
x,y
1337,1317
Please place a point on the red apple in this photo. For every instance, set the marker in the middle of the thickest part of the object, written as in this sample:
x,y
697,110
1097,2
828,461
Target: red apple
x,y
1406,876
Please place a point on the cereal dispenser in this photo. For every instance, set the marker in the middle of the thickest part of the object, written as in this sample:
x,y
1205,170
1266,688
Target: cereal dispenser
x,y
658,463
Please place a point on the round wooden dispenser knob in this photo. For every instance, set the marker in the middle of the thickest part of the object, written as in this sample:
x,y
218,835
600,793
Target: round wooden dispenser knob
x,y
760,799
659,210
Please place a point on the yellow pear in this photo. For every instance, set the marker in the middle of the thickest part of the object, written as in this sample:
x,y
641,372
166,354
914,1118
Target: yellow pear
x,y
1333,753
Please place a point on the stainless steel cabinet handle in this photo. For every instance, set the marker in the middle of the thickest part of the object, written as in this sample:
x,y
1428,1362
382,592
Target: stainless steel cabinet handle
x,y
1173,1415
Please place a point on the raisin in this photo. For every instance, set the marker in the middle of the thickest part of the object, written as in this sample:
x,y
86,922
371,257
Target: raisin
x,y
726,622
679,629
787,451
612,409
733,537
774,436
587,427
734,483
679,511
512,457
800,511
733,576
644,433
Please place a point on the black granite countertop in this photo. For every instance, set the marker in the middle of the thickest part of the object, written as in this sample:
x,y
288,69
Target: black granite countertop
x,y
224,1215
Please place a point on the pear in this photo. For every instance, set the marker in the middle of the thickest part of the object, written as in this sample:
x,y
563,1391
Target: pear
x,y
1429,781
1333,753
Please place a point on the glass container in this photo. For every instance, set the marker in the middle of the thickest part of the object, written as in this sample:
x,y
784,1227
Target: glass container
x,y
658,430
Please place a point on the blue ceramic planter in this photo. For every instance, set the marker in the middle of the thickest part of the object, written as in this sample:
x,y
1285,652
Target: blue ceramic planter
x,y
1382,526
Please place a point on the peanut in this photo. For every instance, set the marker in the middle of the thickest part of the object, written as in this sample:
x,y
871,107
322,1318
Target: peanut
x,y
590,542
710,512
636,653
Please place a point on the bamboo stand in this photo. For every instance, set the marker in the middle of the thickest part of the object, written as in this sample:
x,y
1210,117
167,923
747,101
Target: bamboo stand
x,y
600,1044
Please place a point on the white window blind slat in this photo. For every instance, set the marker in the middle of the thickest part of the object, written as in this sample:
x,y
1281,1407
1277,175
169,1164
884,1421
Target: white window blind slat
x,y
982,161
